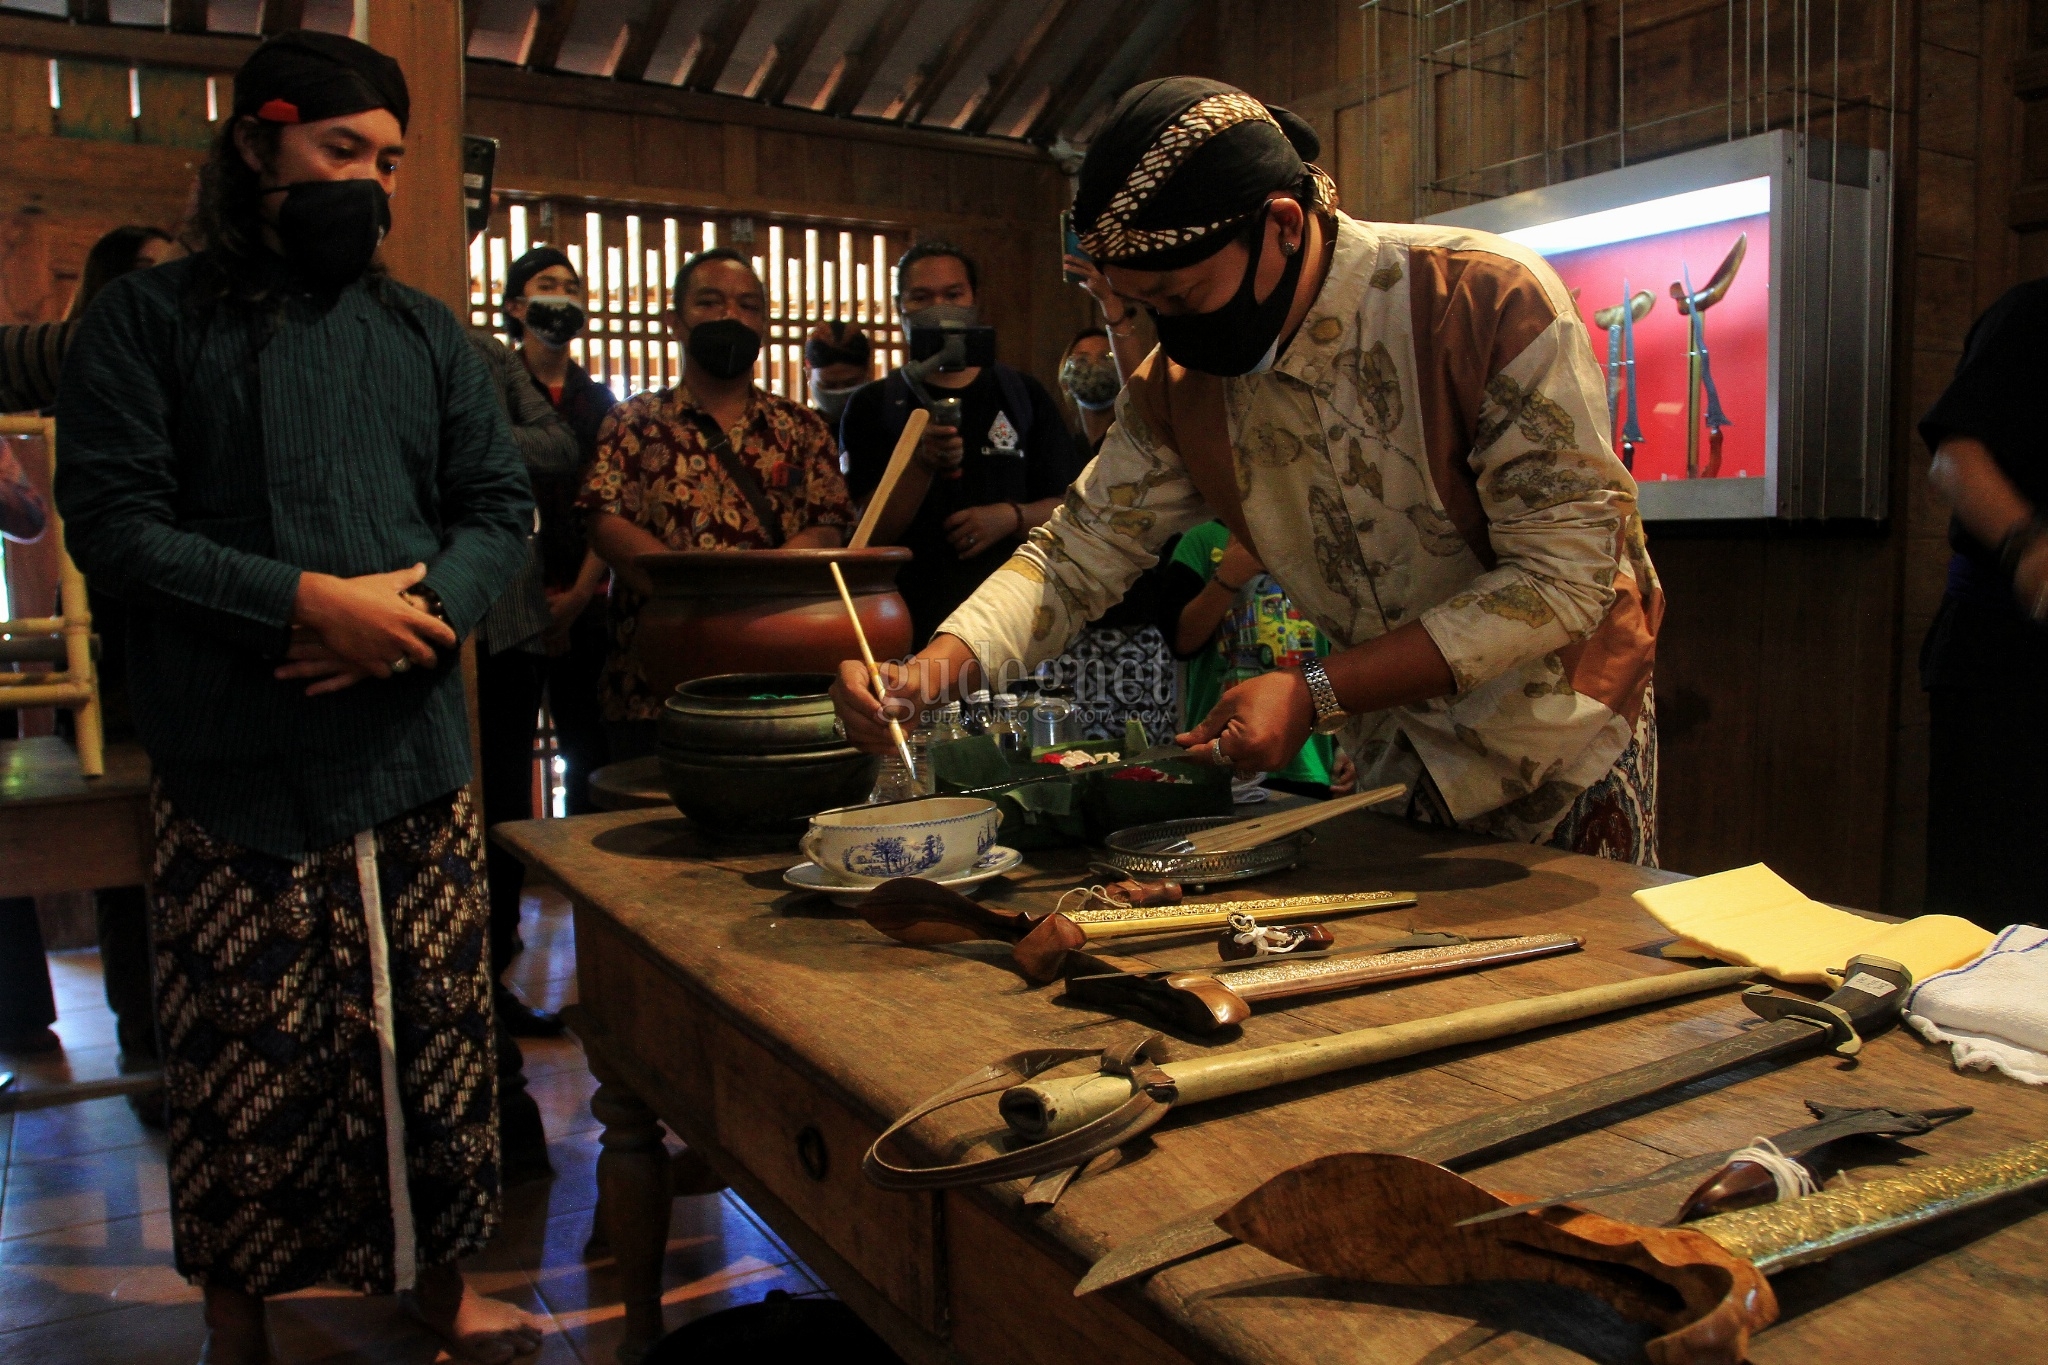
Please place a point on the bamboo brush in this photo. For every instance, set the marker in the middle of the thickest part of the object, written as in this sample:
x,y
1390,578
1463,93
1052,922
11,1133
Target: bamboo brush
x,y
1241,835
867,657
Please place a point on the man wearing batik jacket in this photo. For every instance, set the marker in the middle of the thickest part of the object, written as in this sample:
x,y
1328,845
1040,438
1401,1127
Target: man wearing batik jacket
x,y
1407,425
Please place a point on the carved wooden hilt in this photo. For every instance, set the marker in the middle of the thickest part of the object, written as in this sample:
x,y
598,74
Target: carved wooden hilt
x,y
1389,1219
924,914
1639,306
1716,288
919,912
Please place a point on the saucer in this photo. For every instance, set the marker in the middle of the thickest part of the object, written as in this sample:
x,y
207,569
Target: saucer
x,y
808,876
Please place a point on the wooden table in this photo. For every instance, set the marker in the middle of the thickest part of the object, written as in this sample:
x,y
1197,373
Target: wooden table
x,y
778,1035
60,831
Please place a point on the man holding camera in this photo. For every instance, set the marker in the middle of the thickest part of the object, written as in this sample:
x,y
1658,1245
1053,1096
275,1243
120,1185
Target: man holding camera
x,y
994,462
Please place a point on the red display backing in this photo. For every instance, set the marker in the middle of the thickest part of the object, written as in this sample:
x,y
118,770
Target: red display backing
x,y
1738,340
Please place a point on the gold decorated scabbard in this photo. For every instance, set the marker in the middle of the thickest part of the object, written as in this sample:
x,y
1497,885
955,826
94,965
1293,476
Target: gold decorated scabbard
x,y
1794,1232
1110,921
915,911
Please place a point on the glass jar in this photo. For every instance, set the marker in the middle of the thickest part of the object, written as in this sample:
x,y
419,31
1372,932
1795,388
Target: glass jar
x,y
1007,729
979,711
1054,719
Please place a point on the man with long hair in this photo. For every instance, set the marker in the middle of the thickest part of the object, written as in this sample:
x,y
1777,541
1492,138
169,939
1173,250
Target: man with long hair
x,y
295,472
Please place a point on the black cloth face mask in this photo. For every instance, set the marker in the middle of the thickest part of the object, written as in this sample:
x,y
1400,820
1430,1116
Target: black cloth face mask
x,y
725,347
554,318
331,228
1242,336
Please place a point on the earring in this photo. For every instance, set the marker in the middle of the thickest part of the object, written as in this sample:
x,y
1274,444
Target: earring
x,y
1288,248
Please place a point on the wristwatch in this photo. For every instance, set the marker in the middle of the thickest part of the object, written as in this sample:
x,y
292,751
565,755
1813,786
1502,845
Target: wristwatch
x,y
1330,715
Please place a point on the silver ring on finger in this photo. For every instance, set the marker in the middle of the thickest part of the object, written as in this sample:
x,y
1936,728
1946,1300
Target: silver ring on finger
x,y
1216,749
400,664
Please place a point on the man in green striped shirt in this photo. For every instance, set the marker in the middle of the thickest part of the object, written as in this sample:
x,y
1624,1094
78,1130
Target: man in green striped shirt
x,y
295,473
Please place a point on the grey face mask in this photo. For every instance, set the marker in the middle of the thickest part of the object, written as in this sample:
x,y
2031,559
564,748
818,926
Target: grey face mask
x,y
940,314
831,403
1090,382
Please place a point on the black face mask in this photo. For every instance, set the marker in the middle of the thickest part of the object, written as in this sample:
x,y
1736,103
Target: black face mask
x,y
554,318
725,348
331,228
1242,336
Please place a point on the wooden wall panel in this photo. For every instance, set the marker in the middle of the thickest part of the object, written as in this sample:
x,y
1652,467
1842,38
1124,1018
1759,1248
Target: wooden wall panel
x,y
25,102
95,101
173,110
605,146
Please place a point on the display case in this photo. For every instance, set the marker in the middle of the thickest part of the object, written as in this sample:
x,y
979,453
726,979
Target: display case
x,y
1769,399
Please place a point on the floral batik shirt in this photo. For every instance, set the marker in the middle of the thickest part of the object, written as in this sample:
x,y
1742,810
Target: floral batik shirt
x,y
1432,446
655,468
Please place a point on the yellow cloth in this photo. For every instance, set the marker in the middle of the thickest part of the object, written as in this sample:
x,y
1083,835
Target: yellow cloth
x,y
1752,915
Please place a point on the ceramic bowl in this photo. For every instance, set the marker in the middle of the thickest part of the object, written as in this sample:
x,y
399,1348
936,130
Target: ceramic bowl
x,y
935,838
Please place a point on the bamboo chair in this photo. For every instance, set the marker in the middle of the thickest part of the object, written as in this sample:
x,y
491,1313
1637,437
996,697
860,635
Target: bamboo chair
x,y
64,639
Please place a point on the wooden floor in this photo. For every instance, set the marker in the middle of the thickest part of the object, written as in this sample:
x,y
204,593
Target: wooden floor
x,y
85,1242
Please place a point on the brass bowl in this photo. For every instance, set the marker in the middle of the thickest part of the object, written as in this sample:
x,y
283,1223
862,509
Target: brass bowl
x,y
1130,850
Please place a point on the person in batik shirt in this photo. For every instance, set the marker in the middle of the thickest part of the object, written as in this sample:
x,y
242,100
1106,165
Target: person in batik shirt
x,y
716,463
1405,425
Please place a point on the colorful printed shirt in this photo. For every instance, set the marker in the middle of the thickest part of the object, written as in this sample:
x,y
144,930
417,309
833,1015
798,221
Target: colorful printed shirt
x,y
1261,632
655,468
1432,446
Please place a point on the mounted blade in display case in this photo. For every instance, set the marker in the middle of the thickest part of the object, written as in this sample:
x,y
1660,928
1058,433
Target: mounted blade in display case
x,y
1762,391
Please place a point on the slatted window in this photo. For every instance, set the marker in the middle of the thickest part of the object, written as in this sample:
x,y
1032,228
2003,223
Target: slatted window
x,y
628,260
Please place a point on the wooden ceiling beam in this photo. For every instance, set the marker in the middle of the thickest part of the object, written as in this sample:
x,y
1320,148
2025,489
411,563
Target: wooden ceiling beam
x,y
497,81
793,49
281,16
645,28
1004,82
551,22
715,44
1110,42
210,52
185,16
931,79
856,70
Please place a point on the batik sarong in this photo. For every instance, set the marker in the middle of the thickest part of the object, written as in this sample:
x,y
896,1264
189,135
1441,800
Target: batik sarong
x,y
328,1052
1615,818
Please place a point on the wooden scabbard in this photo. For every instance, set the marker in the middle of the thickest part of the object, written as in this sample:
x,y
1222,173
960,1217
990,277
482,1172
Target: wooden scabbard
x,y
1204,1002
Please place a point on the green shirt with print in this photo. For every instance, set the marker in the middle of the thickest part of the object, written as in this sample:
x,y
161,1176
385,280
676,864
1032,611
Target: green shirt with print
x,y
1260,632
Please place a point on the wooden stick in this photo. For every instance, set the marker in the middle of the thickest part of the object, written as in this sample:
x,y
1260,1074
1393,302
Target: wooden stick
x,y
1038,1110
875,673
899,460
1245,834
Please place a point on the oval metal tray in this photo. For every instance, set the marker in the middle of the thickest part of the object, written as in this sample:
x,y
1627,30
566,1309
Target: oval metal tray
x,y
1126,851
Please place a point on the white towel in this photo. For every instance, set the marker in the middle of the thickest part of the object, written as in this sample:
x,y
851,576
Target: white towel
x,y
1993,1011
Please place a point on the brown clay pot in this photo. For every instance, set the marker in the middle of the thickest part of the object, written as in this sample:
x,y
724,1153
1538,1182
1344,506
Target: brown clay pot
x,y
766,611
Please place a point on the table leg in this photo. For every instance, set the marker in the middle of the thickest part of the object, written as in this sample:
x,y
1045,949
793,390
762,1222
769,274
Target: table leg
x,y
633,1203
